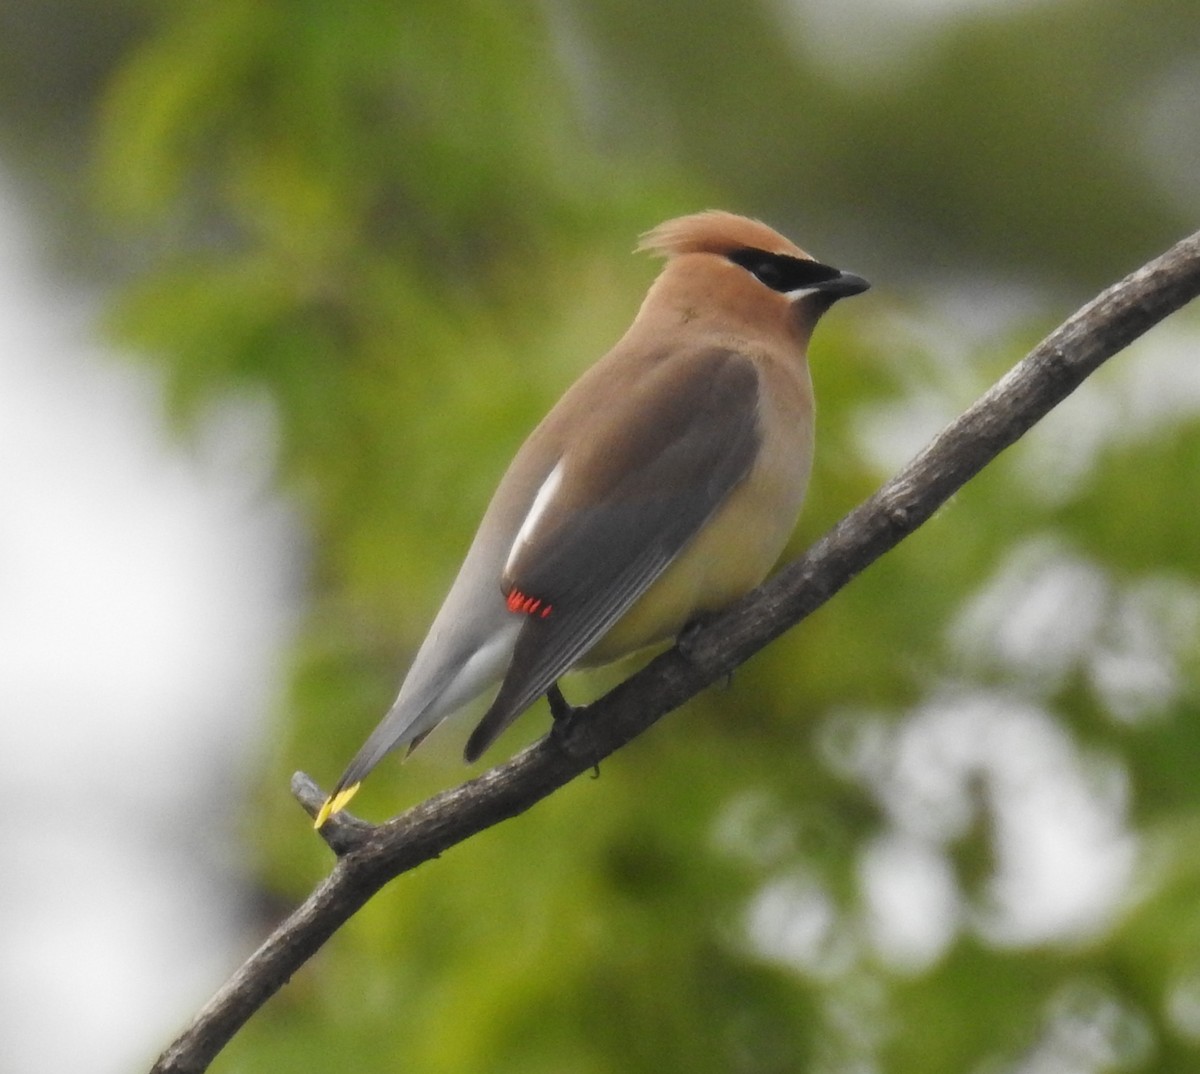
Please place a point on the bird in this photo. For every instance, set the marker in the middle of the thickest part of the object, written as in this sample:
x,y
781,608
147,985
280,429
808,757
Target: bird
x,y
661,487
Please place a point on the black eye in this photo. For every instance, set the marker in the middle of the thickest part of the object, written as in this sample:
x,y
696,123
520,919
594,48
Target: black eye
x,y
768,272
780,272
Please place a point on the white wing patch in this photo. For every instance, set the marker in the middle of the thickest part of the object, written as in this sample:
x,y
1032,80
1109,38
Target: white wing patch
x,y
540,502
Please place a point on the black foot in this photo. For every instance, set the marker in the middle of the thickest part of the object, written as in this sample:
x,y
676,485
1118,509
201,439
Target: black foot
x,y
685,640
564,714
560,708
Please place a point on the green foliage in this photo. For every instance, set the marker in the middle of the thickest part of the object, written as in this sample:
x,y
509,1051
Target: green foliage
x,y
406,227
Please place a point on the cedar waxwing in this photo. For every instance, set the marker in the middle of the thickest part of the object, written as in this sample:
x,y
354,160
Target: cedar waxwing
x,y
662,486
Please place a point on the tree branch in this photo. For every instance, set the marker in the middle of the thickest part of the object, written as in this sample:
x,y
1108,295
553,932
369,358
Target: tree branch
x,y
371,855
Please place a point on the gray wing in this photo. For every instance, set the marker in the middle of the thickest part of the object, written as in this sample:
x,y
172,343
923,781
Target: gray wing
x,y
643,486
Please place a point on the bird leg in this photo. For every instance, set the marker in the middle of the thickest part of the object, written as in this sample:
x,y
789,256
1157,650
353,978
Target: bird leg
x,y
564,714
685,641
560,708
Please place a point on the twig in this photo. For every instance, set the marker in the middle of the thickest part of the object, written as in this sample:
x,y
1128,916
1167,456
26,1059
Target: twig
x,y
369,855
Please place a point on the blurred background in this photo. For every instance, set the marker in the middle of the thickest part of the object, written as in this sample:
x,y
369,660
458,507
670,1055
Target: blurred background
x,y
282,287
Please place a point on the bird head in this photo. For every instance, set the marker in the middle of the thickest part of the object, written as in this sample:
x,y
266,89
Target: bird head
x,y
729,266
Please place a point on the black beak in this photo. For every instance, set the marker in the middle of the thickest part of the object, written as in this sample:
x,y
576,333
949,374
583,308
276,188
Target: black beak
x,y
843,285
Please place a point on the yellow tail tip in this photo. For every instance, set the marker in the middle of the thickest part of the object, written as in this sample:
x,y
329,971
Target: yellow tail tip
x,y
335,803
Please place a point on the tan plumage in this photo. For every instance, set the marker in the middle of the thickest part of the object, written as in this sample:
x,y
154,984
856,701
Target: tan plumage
x,y
664,484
